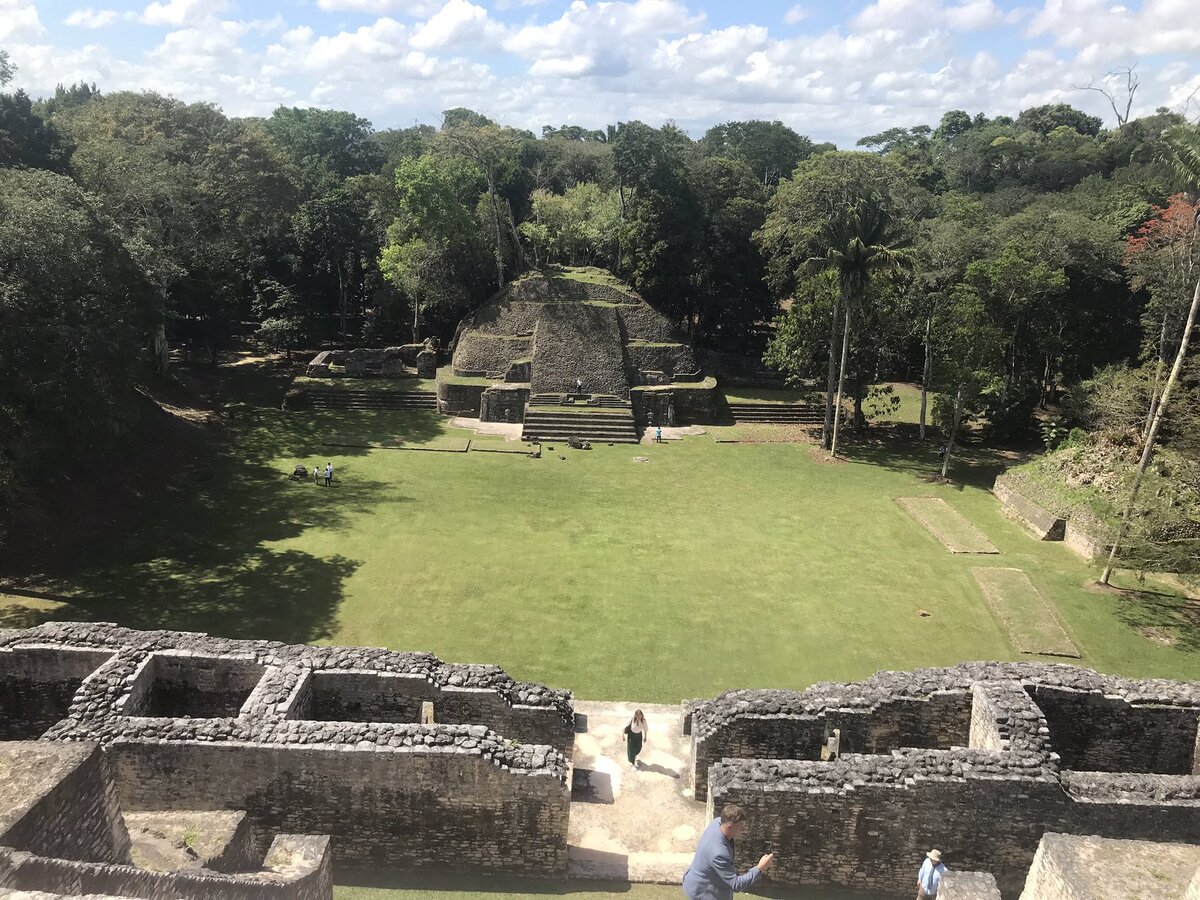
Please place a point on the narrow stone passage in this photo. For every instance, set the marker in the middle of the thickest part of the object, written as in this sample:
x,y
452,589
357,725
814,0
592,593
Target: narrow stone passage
x,y
631,824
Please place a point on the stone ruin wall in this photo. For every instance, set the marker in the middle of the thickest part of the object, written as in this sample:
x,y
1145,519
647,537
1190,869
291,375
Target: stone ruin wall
x,y
194,722
972,759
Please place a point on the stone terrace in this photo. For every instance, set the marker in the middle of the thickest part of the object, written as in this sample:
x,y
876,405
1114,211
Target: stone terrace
x,y
972,759
349,742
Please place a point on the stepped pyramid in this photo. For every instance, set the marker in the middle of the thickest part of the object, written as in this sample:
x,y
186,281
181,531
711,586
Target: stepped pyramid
x,y
564,351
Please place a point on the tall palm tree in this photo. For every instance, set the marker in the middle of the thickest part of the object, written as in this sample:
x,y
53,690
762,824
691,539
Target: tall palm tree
x,y
861,242
1182,155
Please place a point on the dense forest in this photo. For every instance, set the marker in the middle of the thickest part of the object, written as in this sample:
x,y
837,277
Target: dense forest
x,y
1009,264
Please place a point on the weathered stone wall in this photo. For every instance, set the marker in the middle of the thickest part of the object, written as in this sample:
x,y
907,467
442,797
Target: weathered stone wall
x,y
1086,867
651,408
503,404
456,399
669,359
968,886
1085,544
1109,734
866,819
37,685
1041,522
170,685
576,340
641,322
436,804
770,726
482,354
301,870
67,804
361,697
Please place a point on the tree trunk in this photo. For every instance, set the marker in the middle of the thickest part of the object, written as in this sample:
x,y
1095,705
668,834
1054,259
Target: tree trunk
x,y
491,179
926,374
958,404
1158,370
342,301
512,229
1152,435
837,410
162,352
831,379
416,321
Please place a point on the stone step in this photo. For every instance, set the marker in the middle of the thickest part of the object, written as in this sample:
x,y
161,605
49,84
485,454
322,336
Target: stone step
x,y
373,400
781,413
594,419
600,437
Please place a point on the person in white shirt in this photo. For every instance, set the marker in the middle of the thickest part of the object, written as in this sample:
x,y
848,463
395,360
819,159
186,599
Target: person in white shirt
x,y
929,879
328,474
635,734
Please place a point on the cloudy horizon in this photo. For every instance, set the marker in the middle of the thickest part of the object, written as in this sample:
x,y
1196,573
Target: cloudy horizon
x,y
832,72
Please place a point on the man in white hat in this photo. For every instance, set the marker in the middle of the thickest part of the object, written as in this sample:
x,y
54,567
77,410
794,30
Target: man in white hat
x,y
929,879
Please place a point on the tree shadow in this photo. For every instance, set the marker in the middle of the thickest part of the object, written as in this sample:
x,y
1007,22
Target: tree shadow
x,y
1163,618
205,554
892,448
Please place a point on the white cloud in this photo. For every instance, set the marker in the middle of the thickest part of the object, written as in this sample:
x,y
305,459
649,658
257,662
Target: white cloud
x,y
19,21
567,67
176,13
91,18
457,22
795,15
381,7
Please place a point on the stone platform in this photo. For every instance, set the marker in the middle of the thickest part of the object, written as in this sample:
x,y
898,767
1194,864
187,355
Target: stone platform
x,y
631,824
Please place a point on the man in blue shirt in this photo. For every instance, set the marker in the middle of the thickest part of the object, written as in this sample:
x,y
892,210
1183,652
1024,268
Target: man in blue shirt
x,y
929,879
711,875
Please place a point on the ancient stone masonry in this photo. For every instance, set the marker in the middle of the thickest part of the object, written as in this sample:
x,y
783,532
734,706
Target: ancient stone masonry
x,y
318,739
857,781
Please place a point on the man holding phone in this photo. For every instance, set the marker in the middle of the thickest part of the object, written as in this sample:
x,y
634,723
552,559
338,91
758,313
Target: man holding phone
x,y
711,875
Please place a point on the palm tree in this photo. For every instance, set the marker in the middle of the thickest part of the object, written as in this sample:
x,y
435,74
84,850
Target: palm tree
x,y
863,241
1182,155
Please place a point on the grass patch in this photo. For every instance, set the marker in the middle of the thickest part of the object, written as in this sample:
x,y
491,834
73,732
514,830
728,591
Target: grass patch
x,y
17,611
707,383
947,524
584,562
446,375
380,385
1031,625
771,395
761,433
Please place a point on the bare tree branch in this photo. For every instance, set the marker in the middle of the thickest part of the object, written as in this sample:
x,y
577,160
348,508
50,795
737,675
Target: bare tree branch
x,y
1118,86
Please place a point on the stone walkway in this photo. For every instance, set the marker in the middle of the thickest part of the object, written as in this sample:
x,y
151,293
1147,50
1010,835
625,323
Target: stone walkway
x,y
626,824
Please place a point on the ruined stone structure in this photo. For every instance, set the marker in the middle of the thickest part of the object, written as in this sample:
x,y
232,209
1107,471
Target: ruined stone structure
x,y
278,759
1075,867
387,362
521,356
399,758
856,781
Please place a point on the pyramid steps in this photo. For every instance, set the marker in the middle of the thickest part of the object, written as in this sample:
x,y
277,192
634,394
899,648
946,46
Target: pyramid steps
x,y
778,413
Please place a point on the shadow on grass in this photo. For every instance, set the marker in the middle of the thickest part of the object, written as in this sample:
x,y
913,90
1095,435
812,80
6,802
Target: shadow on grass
x,y
898,448
367,885
207,552
1163,618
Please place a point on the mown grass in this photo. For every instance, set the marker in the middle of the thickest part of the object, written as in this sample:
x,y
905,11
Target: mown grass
x,y
707,567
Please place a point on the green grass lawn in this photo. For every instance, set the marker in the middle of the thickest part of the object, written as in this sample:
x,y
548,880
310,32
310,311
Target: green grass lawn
x,y
707,567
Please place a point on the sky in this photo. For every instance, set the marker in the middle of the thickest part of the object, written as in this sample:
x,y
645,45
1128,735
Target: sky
x,y
835,71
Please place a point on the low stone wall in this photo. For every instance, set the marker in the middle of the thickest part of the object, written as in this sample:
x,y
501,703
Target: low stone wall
x,y
62,802
455,399
1085,544
298,868
1045,525
651,408
415,796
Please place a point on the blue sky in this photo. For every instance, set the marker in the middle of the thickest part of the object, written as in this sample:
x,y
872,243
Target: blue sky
x,y
835,71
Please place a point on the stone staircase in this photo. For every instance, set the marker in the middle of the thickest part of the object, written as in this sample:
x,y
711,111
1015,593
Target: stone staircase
x,y
778,413
351,398
601,423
